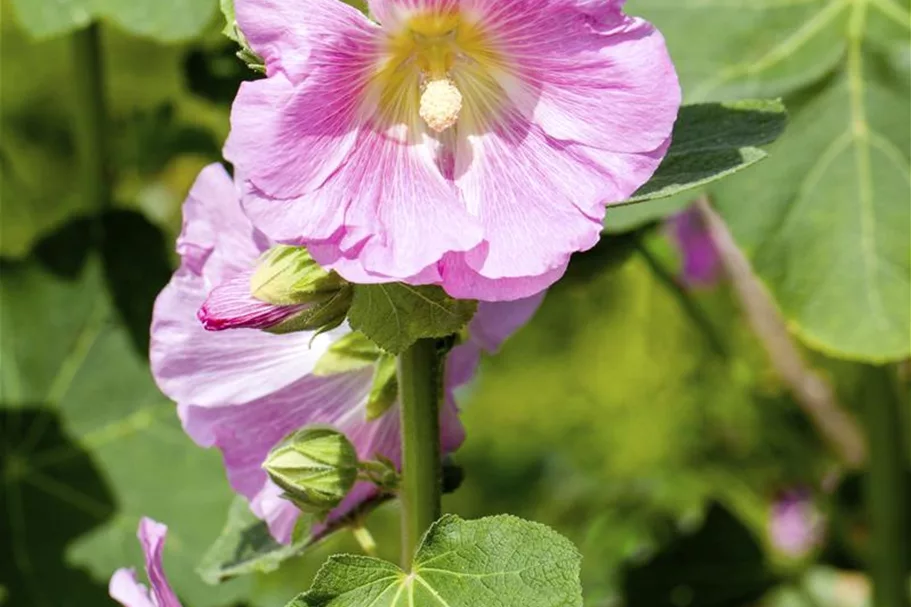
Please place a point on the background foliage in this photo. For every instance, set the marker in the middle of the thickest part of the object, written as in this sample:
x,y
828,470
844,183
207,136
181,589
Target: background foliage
x,y
644,421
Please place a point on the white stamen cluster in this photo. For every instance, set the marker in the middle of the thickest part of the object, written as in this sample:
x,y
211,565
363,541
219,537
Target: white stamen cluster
x,y
441,103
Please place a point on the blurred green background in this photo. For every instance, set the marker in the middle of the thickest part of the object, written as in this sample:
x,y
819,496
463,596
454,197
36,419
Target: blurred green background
x,y
644,420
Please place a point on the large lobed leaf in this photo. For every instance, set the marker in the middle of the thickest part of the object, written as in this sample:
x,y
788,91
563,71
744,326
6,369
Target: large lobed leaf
x,y
499,561
164,20
826,221
93,446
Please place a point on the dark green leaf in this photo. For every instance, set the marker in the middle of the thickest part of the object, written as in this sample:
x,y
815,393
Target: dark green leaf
x,y
395,315
245,546
720,565
70,362
710,141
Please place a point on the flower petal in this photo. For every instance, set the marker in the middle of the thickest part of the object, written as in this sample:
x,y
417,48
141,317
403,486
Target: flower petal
x,y
540,200
401,214
214,222
586,74
197,367
463,282
285,32
152,535
288,138
495,321
124,589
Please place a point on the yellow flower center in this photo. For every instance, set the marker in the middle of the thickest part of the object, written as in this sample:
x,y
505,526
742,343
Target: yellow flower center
x,y
437,69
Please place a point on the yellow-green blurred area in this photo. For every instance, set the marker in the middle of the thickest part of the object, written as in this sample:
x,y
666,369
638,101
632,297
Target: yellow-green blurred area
x,y
643,420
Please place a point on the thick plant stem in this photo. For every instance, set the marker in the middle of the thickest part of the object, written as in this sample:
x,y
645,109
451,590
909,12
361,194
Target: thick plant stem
x,y
90,116
419,390
887,491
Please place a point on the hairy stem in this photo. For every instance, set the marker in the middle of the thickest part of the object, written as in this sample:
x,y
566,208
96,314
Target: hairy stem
x,y
887,491
419,390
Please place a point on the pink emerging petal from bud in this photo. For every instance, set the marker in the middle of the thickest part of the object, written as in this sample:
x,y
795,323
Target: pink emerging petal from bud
x,y
230,306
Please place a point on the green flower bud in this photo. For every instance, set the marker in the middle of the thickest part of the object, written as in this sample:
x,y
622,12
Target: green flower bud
x,y
316,467
287,276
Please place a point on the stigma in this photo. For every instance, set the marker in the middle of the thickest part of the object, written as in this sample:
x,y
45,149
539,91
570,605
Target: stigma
x,y
440,105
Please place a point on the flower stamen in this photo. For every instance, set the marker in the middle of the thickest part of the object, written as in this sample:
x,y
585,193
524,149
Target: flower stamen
x,y
441,102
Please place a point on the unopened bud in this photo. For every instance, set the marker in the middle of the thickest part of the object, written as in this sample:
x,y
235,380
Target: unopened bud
x,y
288,275
315,467
321,315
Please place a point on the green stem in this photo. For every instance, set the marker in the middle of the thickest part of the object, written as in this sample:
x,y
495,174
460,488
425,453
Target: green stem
x,y
90,116
420,489
887,498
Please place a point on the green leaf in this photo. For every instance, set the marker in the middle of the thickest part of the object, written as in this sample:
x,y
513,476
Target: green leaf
x,y
396,315
826,221
730,50
499,560
163,20
348,353
710,141
245,546
89,435
714,140
384,390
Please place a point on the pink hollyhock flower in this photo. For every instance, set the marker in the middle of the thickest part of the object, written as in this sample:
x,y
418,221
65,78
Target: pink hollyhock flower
x,y
244,390
127,591
795,524
701,260
468,143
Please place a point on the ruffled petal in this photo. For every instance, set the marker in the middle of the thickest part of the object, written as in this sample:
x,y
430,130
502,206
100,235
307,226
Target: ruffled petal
x,y
539,200
401,215
309,400
289,138
126,590
217,240
231,306
285,32
584,72
197,367
461,281
152,535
